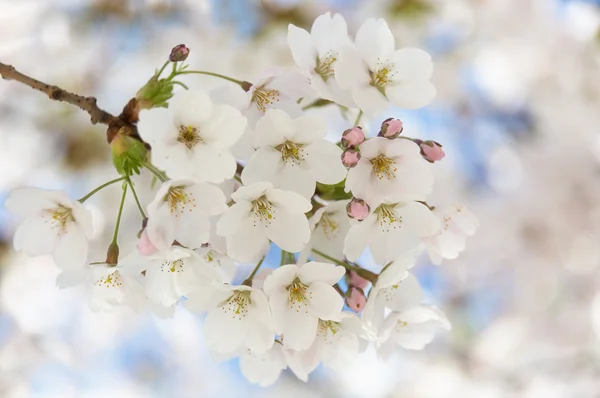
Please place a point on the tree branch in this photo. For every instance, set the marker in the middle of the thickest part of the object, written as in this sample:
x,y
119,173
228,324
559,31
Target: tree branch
x,y
55,93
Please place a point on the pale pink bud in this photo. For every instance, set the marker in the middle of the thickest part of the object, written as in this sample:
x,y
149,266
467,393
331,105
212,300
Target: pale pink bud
x,y
353,137
391,128
357,280
432,151
356,299
350,158
179,53
358,209
145,246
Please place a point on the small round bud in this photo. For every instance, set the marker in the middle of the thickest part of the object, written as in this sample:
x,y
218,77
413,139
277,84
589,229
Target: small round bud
x,y
353,137
355,299
358,209
179,53
350,158
432,151
391,128
357,280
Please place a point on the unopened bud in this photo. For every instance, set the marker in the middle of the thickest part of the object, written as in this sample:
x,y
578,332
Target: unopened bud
x,y
112,254
145,246
350,158
353,137
128,154
391,128
179,53
355,299
357,280
432,151
358,209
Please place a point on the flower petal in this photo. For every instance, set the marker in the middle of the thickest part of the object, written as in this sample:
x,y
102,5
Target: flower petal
x,y
323,157
375,42
320,272
301,46
291,201
273,128
288,231
411,94
280,277
233,218
264,165
324,302
191,108
224,128
72,249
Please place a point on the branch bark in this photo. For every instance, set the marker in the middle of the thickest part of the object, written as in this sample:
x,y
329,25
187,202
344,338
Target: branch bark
x,y
87,104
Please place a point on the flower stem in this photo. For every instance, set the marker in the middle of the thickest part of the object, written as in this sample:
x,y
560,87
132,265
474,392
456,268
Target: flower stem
x,y
118,224
364,273
360,114
286,258
333,260
137,201
159,174
89,195
201,72
248,280
162,69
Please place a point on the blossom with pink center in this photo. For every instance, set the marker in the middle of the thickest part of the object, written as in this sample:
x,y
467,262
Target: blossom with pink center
x,y
353,137
432,151
350,158
391,128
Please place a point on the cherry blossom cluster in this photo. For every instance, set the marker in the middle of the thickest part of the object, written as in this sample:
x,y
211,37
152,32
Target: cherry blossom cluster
x,y
245,169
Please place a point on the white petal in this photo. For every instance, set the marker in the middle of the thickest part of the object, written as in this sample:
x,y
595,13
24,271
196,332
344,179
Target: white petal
x,y
301,46
259,338
308,129
213,165
224,332
248,243
371,101
72,249
357,237
207,199
323,272
324,301
280,277
288,231
299,329
273,128
291,201
264,165
405,294
35,237
251,192
298,178
329,34
412,64
418,219
324,160
351,71
224,128
263,369
28,201
191,108
233,218
375,41
155,124
411,94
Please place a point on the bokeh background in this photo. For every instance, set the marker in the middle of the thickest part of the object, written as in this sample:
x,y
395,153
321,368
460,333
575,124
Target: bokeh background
x,y
518,112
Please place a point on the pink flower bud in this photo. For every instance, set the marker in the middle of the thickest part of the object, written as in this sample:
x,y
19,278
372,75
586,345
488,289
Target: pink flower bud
x,y
358,209
357,280
355,299
350,158
432,151
179,53
145,246
353,137
391,128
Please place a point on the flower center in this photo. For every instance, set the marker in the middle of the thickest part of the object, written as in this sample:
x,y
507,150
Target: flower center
x,y
237,304
325,65
402,324
189,136
172,266
328,225
291,152
387,218
384,167
263,210
60,217
298,295
264,97
111,280
383,75
328,330
179,201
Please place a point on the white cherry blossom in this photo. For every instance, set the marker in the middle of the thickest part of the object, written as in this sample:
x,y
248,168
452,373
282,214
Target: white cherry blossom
x,y
299,297
193,137
181,211
412,328
113,287
457,223
390,170
330,225
262,213
375,72
317,52
238,317
263,368
293,154
279,89
54,224
390,230
224,265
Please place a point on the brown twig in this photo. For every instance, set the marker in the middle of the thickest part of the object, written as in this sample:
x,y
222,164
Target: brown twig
x,y
55,93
